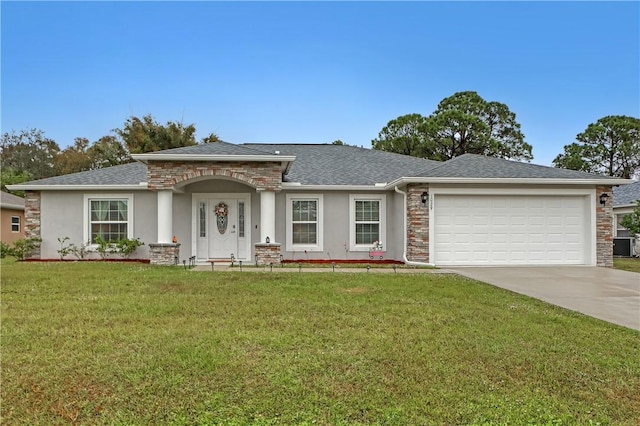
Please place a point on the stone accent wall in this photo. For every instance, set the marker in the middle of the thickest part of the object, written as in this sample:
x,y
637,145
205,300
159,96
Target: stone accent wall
x,y
32,221
164,253
268,253
417,224
166,174
604,228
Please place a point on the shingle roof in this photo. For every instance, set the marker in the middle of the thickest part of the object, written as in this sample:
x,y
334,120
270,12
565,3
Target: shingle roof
x,y
479,166
215,148
325,164
345,165
11,201
124,174
625,195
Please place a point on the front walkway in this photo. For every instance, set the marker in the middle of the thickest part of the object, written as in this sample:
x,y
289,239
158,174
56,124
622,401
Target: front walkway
x,y
608,294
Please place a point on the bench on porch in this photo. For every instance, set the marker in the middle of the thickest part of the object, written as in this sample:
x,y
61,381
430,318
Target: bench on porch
x,y
231,260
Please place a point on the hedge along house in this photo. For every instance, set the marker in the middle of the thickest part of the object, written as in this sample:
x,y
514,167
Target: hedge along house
x,y
267,202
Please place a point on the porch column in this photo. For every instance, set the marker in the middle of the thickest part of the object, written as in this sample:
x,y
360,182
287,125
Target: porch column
x,y
267,216
165,216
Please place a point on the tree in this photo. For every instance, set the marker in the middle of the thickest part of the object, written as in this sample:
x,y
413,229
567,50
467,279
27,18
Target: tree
x,y
404,135
75,158
9,176
631,221
212,138
29,151
466,123
462,123
106,152
337,142
147,135
610,146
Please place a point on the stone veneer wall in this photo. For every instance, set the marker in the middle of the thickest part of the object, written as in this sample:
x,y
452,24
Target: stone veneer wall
x,y
164,253
166,174
417,224
32,219
604,228
268,253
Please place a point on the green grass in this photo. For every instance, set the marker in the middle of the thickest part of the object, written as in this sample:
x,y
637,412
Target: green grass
x,y
110,343
627,264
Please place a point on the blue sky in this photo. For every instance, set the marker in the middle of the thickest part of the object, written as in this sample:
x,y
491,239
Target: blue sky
x,y
314,72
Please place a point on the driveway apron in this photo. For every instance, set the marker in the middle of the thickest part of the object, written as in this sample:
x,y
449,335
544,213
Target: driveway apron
x,y
608,294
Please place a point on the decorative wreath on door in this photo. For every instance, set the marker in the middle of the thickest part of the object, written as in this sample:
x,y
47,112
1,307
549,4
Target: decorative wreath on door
x,y
221,211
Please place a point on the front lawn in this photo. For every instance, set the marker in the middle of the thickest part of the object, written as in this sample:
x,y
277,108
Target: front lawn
x,y
111,343
627,264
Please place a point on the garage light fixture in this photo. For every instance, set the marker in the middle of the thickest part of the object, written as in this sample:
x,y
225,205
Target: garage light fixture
x,y
603,198
424,197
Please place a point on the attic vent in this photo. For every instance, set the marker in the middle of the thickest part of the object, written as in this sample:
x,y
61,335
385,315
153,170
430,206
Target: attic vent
x,y
277,152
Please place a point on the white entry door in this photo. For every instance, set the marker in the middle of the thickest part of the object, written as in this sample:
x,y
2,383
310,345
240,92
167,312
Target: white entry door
x,y
222,226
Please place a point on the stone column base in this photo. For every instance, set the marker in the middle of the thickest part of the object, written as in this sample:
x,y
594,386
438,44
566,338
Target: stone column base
x,y
164,253
267,253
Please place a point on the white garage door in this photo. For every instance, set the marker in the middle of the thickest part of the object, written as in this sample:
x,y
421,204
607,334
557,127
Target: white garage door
x,y
510,230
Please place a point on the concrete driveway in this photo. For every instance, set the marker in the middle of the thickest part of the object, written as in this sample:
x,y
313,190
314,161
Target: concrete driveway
x,y
608,294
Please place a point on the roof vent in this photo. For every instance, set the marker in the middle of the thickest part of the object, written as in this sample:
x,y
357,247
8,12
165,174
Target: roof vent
x,y
277,152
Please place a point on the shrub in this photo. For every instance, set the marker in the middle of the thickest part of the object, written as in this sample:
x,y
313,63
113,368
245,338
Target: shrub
x,y
105,248
5,250
80,251
632,221
65,248
23,247
126,247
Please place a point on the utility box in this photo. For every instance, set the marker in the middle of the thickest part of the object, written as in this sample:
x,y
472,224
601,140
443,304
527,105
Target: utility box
x,y
623,246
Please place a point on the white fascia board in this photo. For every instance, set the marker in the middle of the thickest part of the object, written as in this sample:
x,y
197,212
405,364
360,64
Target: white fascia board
x,y
508,181
297,186
138,187
625,206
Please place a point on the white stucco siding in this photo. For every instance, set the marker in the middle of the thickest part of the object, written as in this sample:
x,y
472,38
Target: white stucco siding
x,y
336,225
62,215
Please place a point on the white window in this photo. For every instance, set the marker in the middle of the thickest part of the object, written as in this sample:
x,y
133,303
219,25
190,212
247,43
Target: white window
x,y
15,223
108,216
304,222
202,218
367,221
621,231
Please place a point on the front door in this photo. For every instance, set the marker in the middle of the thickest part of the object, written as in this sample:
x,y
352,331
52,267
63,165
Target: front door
x,y
223,223
222,226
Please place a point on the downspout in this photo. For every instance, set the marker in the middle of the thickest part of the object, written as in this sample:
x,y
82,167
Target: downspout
x,y
404,244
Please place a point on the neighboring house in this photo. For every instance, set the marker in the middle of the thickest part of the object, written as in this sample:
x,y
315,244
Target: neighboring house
x,y
624,202
12,220
267,202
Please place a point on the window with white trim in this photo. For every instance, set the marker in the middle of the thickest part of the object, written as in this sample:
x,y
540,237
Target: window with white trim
x,y
304,222
621,231
15,223
109,217
367,221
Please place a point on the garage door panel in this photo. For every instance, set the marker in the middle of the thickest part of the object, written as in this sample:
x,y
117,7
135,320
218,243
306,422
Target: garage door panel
x,y
504,230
